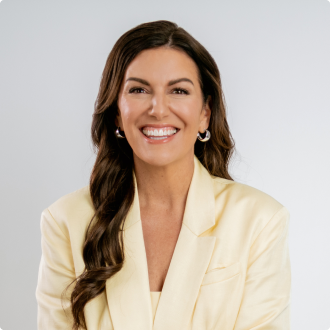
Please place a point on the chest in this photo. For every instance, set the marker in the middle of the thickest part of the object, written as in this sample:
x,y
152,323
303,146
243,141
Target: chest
x,y
160,234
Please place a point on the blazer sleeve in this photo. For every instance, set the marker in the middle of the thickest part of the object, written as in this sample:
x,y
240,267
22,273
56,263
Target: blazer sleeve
x,y
266,299
56,271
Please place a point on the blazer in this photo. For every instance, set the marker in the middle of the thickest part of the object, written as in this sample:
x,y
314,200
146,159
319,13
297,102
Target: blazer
x,y
230,269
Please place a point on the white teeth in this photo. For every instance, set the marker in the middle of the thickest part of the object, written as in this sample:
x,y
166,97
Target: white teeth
x,y
157,137
159,132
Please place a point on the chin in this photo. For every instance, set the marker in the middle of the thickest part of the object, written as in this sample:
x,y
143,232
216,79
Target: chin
x,y
158,159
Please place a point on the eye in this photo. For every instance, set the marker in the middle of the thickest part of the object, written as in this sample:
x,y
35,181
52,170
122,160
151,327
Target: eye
x,y
136,90
180,91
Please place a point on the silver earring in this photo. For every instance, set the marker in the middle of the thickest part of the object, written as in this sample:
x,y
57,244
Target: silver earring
x,y
118,134
207,136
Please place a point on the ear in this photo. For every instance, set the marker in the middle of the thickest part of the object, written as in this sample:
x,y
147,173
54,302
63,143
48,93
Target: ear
x,y
205,115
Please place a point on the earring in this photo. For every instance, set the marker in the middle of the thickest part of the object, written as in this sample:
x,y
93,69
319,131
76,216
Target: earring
x,y
118,134
207,137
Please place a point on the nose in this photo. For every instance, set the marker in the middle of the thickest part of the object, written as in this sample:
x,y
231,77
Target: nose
x,y
159,107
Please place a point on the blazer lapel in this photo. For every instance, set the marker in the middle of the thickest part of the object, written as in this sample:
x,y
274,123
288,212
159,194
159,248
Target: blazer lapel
x,y
191,256
128,291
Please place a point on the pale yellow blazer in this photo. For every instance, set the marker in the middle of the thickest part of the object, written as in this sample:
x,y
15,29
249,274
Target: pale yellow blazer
x,y
230,269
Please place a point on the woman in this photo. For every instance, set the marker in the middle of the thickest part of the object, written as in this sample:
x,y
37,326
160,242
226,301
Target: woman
x,y
163,238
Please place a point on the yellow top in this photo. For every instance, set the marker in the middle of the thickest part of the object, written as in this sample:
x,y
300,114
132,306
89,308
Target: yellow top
x,y
155,295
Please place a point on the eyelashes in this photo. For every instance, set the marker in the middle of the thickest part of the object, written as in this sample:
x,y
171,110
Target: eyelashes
x,y
179,91
133,90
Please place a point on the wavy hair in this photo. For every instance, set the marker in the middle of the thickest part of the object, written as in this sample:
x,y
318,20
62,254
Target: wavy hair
x,y
111,181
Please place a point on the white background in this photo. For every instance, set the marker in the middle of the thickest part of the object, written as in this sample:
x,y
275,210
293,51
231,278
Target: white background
x,y
274,59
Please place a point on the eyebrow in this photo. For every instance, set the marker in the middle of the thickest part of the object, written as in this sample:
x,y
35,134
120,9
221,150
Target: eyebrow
x,y
170,83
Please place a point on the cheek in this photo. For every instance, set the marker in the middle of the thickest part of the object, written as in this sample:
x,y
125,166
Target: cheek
x,y
189,113
129,110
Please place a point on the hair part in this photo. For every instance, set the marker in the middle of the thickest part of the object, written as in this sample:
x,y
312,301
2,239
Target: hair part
x,y
111,181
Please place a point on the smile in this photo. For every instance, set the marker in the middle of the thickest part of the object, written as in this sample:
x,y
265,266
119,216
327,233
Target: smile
x,y
160,133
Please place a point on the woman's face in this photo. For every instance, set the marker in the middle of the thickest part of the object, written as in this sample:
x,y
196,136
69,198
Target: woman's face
x,y
161,95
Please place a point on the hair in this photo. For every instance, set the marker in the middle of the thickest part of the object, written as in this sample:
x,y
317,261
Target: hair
x,y
111,182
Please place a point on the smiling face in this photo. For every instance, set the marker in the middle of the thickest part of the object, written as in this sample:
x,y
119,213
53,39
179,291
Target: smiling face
x,y
161,95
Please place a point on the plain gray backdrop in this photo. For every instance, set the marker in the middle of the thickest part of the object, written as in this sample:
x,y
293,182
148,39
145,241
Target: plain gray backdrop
x,y
274,60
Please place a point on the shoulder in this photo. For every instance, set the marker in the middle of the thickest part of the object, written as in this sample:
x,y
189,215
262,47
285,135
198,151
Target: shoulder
x,y
244,195
245,206
72,212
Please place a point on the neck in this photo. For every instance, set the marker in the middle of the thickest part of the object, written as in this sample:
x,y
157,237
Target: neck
x,y
164,187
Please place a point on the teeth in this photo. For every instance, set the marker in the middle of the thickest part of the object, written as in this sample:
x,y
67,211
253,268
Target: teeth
x,y
159,132
157,137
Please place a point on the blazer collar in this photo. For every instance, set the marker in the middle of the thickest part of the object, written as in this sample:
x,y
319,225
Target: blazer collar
x,y
128,291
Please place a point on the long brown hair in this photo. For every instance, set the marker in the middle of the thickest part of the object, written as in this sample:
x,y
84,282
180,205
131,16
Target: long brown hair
x,y
111,181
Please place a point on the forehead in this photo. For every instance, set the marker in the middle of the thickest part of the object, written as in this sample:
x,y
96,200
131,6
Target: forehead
x,y
162,64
